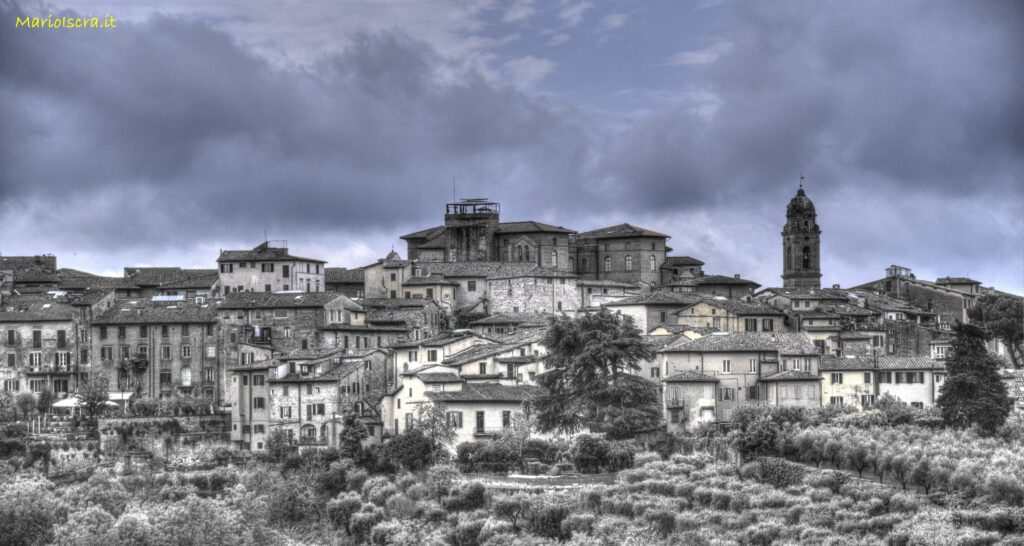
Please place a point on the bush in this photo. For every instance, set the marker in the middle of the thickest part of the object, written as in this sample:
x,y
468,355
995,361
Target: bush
x,y
663,521
832,480
620,456
341,509
467,533
362,522
578,523
641,459
781,473
440,480
1005,488
356,480
470,497
589,453
542,450
546,521
762,534
403,507
377,490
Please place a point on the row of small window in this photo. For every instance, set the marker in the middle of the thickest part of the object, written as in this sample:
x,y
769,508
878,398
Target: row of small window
x,y
37,338
866,400
165,331
454,419
793,364
269,288
885,377
36,385
257,313
267,267
61,360
107,352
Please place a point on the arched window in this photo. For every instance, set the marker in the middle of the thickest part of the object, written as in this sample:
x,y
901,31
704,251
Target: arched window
x,y
583,265
652,263
789,257
607,263
572,264
526,253
629,263
807,257
554,258
186,377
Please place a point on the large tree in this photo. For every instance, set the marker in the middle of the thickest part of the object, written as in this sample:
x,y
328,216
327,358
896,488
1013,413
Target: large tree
x,y
973,392
591,377
1002,316
94,394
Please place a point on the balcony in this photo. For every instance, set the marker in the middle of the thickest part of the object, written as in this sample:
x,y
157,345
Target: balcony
x,y
52,368
484,431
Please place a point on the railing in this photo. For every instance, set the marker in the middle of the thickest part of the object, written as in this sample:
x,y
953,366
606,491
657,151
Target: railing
x,y
52,368
484,431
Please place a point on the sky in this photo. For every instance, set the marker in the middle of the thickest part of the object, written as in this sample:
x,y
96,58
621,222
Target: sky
x,y
339,126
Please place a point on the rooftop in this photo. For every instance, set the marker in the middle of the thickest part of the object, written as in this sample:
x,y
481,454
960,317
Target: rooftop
x,y
343,275
488,392
888,362
142,311
271,300
621,230
690,376
261,253
785,343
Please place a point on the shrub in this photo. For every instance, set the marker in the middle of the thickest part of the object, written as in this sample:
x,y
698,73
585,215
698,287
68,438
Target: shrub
x,y
641,459
470,497
546,521
621,455
356,480
383,533
341,509
512,508
362,522
542,450
762,534
403,507
467,533
781,473
663,521
377,490
578,523
1005,488
827,479
589,453
440,480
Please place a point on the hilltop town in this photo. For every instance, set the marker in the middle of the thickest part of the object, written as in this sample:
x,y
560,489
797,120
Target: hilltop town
x,y
284,342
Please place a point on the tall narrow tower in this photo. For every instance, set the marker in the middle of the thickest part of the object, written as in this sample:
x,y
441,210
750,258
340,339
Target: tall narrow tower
x,y
801,244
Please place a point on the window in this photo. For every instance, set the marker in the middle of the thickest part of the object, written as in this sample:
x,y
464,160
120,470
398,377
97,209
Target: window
x,y
470,287
186,376
209,329
209,375
12,385
836,400
106,353
165,352
120,332
607,263
506,419
37,385
186,351
35,359
125,352
314,409
185,330
259,402
727,393
454,419
629,263
753,365
750,324
726,366
211,351
267,268
10,335
165,378
918,405
867,400
62,339
554,258
652,263
767,325
867,378
12,360
412,356
674,416
259,429
655,372
885,377
483,368
165,331
37,339
258,380
837,379
143,332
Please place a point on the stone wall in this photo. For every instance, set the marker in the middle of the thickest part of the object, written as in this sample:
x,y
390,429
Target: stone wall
x,y
907,338
160,435
533,294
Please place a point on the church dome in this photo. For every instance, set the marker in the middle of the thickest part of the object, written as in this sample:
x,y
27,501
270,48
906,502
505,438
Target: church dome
x,y
800,204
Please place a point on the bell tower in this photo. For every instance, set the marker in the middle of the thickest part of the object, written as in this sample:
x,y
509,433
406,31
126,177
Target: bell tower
x,y
801,244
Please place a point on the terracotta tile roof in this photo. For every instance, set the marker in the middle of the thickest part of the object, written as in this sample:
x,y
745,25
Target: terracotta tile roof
x,y
530,226
658,298
433,279
341,275
682,328
708,280
28,262
738,307
791,375
262,253
271,300
607,283
68,273
438,377
887,362
621,230
956,280
424,233
96,283
393,303
439,340
512,271
514,318
368,328
463,269
671,261
437,241
35,308
394,316
36,275
476,352
690,376
786,343
141,311
809,293
194,280
488,392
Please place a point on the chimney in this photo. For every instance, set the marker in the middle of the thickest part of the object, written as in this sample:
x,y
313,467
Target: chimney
x,y
737,275
835,286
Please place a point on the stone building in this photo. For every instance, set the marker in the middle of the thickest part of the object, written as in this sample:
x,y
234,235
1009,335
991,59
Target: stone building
x,y
181,341
41,344
473,232
269,268
688,400
730,315
595,293
860,381
680,267
776,368
421,318
733,287
541,290
171,281
350,282
801,244
948,300
653,309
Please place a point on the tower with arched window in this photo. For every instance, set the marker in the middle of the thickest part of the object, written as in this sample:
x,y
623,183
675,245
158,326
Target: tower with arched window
x,y
801,244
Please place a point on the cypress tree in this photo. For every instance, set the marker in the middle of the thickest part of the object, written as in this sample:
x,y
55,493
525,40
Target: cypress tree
x,y
973,393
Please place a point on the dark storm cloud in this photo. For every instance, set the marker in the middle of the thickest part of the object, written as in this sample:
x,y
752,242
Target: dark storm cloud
x,y
168,134
189,130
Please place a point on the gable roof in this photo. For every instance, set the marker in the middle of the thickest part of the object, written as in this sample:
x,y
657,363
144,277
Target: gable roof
x,y
888,362
530,226
343,275
785,343
737,307
675,261
35,308
141,311
263,252
394,303
424,233
514,271
690,376
44,261
956,280
791,375
429,280
488,392
658,298
621,230
272,300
